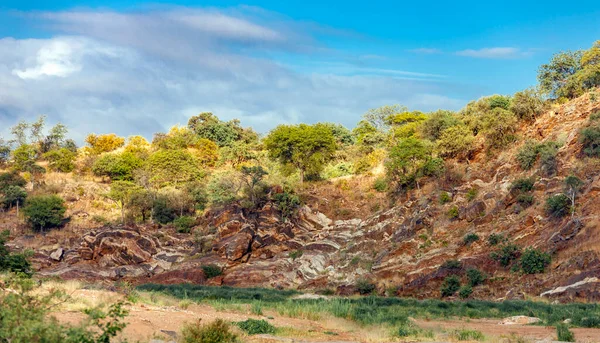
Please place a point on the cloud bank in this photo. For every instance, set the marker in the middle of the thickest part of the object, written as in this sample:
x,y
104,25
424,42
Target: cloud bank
x,y
142,72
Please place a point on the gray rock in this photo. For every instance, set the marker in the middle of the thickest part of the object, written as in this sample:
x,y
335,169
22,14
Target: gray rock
x,y
57,254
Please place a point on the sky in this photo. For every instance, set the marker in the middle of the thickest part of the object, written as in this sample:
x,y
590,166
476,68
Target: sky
x,y
136,67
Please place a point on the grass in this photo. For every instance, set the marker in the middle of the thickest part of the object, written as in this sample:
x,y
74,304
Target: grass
x,y
374,310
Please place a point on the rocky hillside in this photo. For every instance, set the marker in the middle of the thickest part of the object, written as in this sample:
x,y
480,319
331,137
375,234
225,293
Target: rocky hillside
x,y
402,248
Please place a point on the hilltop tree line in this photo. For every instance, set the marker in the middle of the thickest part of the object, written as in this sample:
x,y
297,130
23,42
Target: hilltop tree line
x,y
211,162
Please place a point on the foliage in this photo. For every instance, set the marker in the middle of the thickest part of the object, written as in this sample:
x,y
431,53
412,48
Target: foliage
x,y
380,184
527,104
450,286
465,291
525,200
16,263
495,239
120,192
171,167
223,188
436,123
364,286
406,161
404,125
506,254
472,194
26,317
254,187
207,125
556,77
534,261
470,238
589,138
295,254
11,179
24,157
140,203
217,331
138,146
499,126
256,327
563,333
452,265
456,142
468,335
475,277
44,211
117,166
337,170
523,185
453,212
527,155
306,148
211,270
184,224
379,118
558,205
287,203
98,144
342,135
162,211
61,160
13,196
444,197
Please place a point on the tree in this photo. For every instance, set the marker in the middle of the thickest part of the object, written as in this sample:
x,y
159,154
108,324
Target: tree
x,y
556,78
14,196
558,205
103,143
379,117
527,104
404,125
407,159
140,202
207,125
572,185
252,179
120,192
138,146
499,127
61,160
24,157
305,147
436,123
456,141
11,179
4,152
117,166
173,167
342,135
44,211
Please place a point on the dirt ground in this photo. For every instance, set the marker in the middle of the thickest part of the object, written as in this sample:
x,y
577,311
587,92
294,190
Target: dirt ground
x,y
147,322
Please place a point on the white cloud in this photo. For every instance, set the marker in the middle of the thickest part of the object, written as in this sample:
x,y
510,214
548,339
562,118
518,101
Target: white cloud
x,y
426,51
497,52
144,72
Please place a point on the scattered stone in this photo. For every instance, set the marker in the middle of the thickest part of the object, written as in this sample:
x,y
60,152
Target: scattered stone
x,y
520,320
57,254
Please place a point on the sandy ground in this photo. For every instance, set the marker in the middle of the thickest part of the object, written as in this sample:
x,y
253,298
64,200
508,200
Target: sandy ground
x,y
147,322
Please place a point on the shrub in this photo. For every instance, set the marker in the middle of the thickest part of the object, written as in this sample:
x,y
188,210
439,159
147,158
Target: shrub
x,y
453,212
475,277
523,185
470,238
16,263
506,255
211,271
465,291
296,254
11,179
495,239
563,333
117,166
527,155
287,204
472,194
525,200
590,140
558,205
184,224
44,211
162,212
534,261
169,167
336,170
14,196
380,184
548,152
499,126
527,104
216,332
365,286
61,160
468,335
256,327
436,123
450,286
457,141
408,328
445,197
452,265
590,322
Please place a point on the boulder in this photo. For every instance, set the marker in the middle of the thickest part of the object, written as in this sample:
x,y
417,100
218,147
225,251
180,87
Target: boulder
x,y
57,254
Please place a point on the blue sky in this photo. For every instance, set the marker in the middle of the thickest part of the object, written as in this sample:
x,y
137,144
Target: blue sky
x,y
140,67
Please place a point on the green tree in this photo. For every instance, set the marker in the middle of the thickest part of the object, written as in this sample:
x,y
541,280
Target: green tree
x,y
140,203
172,167
527,104
499,126
61,160
44,211
117,166
98,144
207,125
572,186
121,192
556,77
305,147
380,117
14,196
11,179
534,261
252,178
436,123
456,141
24,158
406,161
558,205
4,152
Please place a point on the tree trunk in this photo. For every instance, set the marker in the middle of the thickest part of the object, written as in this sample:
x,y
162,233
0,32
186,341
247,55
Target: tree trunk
x,y
123,215
301,176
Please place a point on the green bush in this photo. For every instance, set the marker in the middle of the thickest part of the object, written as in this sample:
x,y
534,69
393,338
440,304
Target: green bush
x,y
287,204
525,200
523,185
453,212
590,140
296,254
563,333
61,160
470,238
162,212
450,286
336,170
256,327
408,328
44,211
364,286
451,265
468,335
472,194
16,263
216,332
184,224
590,322
506,255
380,184
117,166
475,277
11,179
457,141
527,155
548,152
534,261
14,196
499,126
495,239
558,205
211,271
527,104
445,197
465,291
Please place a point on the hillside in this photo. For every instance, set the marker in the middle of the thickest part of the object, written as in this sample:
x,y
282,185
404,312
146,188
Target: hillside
x,y
348,236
